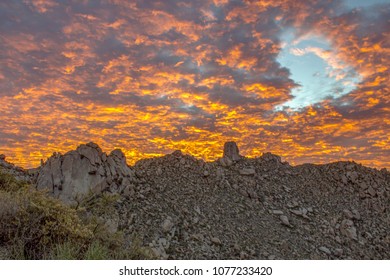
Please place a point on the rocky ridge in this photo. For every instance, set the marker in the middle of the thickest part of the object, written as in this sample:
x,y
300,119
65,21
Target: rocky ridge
x,y
235,207
16,171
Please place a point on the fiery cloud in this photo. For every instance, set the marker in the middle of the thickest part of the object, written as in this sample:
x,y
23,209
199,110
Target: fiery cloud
x,y
151,77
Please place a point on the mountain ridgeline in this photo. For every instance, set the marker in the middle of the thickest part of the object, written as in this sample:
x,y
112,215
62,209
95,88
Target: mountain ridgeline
x,y
181,207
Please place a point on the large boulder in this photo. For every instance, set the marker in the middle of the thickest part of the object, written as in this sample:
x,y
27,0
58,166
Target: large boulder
x,y
87,169
230,151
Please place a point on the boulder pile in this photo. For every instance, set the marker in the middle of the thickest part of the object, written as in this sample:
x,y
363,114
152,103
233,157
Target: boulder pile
x,y
260,208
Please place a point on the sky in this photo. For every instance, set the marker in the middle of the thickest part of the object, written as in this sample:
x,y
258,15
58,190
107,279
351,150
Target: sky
x,y
307,80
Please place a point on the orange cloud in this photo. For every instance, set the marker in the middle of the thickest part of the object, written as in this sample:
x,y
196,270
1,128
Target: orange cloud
x,y
151,77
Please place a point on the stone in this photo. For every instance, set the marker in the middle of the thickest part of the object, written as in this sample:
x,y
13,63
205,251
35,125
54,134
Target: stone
x,y
159,171
160,253
363,185
248,171
344,179
348,214
356,214
206,173
285,221
129,191
225,161
276,212
220,173
230,151
338,252
216,241
271,257
164,243
197,237
224,184
243,255
197,210
371,191
112,224
352,176
167,225
325,250
347,228
252,194
297,212
292,204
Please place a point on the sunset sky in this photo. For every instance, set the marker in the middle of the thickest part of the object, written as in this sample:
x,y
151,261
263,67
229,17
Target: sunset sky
x,y
307,80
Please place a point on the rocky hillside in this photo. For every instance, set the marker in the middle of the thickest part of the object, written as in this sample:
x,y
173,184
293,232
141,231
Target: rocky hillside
x,y
233,208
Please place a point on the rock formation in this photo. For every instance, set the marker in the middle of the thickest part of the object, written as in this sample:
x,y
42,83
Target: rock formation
x,y
230,151
86,169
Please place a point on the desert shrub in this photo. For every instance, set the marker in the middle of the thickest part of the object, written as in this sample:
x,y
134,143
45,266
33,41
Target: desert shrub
x,y
98,204
9,208
9,183
65,251
96,209
34,225
97,251
39,221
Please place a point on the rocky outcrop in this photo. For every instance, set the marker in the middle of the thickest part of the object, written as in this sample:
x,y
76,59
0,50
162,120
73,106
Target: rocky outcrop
x,y
86,169
18,172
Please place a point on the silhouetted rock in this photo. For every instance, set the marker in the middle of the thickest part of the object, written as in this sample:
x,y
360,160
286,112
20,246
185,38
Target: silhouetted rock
x,y
230,151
